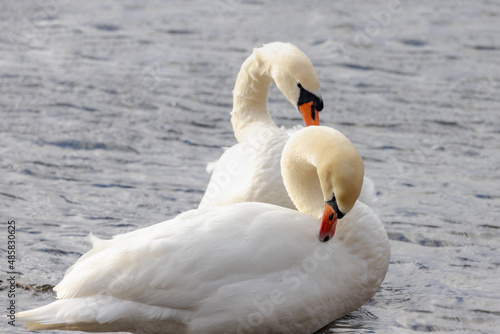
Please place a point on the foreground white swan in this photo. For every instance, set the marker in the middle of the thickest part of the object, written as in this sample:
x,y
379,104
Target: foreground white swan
x,y
243,268
249,171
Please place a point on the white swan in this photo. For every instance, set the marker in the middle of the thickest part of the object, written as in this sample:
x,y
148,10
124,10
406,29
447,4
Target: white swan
x,y
242,268
249,171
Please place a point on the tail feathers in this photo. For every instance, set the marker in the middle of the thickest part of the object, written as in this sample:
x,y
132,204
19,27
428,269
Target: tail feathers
x,y
98,313
211,166
368,193
95,241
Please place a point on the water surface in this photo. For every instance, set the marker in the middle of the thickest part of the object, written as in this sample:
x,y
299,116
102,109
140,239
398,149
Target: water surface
x,y
110,112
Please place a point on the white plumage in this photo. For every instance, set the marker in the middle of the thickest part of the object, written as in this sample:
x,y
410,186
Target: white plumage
x,y
250,170
247,267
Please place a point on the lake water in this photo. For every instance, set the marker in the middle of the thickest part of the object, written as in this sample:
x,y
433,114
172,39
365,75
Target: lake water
x,y
111,110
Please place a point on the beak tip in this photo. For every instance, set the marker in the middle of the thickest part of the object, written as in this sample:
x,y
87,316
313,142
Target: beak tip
x,y
309,113
328,224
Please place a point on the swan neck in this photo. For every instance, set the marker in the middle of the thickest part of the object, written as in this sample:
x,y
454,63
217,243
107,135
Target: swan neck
x,y
250,97
300,176
320,162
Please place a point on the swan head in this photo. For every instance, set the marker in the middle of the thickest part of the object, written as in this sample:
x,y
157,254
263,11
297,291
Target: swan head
x,y
323,174
294,75
341,181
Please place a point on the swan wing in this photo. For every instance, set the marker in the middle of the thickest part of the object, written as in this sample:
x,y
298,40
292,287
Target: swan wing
x,y
239,267
231,175
177,263
250,172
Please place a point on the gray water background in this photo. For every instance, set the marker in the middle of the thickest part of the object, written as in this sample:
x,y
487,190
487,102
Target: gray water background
x,y
110,111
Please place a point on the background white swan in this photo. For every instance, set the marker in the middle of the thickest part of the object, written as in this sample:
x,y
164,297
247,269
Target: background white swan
x,y
247,267
249,170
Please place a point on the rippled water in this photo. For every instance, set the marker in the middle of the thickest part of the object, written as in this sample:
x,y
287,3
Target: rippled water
x,y
110,111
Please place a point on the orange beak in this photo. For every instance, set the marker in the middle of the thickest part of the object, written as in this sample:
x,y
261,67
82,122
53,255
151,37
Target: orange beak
x,y
309,113
328,224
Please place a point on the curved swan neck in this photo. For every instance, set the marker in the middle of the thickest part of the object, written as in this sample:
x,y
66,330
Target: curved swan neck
x,y
318,162
282,63
250,97
300,177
